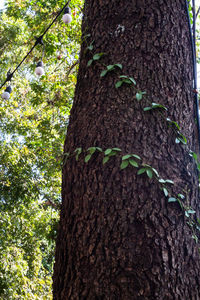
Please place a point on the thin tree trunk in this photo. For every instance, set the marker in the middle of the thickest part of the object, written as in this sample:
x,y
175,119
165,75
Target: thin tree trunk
x,y
119,238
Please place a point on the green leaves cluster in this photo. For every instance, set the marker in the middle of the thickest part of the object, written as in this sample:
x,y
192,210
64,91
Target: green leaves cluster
x,y
194,155
155,106
129,159
125,79
163,183
149,170
108,153
91,151
180,137
139,95
134,160
33,126
77,151
95,57
110,68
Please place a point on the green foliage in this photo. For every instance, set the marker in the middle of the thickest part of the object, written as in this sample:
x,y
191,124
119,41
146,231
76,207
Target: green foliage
x,y
78,152
33,126
129,159
110,152
95,57
155,106
180,137
179,199
110,68
139,95
25,243
149,170
91,151
125,79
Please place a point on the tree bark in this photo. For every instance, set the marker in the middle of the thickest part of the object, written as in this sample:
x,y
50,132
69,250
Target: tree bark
x,y
119,238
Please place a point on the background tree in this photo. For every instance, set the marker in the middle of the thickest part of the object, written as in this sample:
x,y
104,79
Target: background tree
x,y
126,232
32,129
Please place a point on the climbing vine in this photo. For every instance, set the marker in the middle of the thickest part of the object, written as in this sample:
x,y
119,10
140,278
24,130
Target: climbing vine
x,y
134,160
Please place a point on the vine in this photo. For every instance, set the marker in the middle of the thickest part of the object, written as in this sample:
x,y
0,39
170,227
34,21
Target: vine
x,y
134,160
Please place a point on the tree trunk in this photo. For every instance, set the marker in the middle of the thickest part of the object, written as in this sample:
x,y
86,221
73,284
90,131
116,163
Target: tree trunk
x,y
119,237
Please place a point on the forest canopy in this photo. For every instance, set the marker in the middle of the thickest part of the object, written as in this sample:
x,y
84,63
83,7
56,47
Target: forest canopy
x,y
33,123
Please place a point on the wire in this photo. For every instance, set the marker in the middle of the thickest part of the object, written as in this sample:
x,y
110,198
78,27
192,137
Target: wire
x,y
38,41
193,42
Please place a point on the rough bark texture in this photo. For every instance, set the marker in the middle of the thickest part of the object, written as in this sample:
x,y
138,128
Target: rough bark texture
x,y
119,238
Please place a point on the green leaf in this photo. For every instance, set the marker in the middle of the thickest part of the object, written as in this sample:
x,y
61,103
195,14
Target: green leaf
x,y
117,149
90,47
141,171
128,81
119,66
91,150
132,80
97,56
162,180
103,73
149,173
133,163
172,199
195,156
180,203
118,84
66,154
124,164
87,158
165,181
181,196
156,105
147,108
194,236
108,151
112,153
182,138
173,123
136,156
191,211
165,191
139,96
105,159
90,62
126,156
99,149
169,181
155,171
110,67
78,152
186,214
